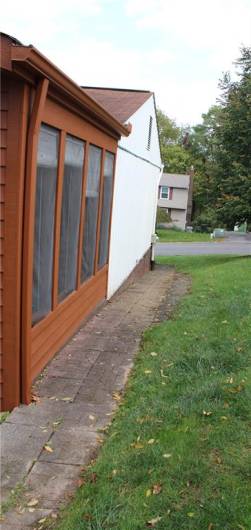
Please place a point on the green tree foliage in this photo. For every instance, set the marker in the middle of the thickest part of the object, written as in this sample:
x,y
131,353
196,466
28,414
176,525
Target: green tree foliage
x,y
233,137
219,149
174,157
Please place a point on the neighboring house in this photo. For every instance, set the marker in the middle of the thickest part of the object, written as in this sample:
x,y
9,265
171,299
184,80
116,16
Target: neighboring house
x,y
175,196
58,202
138,171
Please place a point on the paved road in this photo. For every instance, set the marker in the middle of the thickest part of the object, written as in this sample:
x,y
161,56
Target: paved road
x,y
231,246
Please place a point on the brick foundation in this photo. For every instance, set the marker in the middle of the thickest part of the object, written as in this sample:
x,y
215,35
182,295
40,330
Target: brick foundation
x,y
144,265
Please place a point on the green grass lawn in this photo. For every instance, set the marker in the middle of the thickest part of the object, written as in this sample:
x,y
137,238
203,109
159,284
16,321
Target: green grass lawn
x,y
166,235
177,455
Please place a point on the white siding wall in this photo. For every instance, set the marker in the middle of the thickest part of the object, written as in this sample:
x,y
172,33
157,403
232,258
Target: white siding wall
x,y
137,140
133,218
135,197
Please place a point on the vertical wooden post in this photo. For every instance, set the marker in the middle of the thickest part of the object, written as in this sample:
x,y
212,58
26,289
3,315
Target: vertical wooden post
x,y
30,194
101,189
82,216
110,220
17,108
59,193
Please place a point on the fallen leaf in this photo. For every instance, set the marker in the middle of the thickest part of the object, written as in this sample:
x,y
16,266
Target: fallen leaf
x,y
93,477
137,445
91,417
162,374
148,493
151,441
35,398
114,472
207,413
154,521
153,354
223,418
32,502
148,372
224,322
210,526
67,399
167,455
190,514
48,448
157,489
117,396
31,510
41,521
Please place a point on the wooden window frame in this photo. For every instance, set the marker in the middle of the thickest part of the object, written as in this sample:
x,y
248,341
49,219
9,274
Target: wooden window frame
x,y
48,112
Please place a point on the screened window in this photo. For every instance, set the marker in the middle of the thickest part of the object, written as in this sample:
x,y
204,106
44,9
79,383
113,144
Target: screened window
x,y
91,212
164,192
70,215
106,210
46,181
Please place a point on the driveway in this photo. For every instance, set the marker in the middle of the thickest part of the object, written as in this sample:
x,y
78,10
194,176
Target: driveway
x,y
238,246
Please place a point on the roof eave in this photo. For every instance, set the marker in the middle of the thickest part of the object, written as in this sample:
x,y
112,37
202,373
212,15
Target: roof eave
x,y
31,57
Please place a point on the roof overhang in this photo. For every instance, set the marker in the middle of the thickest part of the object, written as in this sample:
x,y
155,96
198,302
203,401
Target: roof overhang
x,y
26,61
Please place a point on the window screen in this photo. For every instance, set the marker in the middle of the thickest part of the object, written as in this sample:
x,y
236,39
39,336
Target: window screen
x,y
106,210
46,180
91,212
70,215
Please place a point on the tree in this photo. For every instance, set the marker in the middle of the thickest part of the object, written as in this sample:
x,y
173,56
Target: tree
x,y
233,140
174,156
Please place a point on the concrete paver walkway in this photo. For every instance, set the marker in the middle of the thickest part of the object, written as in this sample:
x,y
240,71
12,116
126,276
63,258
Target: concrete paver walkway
x,y
46,444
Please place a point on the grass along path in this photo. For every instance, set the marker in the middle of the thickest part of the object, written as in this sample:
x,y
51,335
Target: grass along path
x,y
177,454
172,236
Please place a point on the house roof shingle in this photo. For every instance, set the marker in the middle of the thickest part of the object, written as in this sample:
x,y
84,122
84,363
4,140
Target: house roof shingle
x,y
121,103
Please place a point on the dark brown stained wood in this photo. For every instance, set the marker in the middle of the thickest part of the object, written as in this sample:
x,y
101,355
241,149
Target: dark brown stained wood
x,y
111,213
3,139
67,319
58,219
3,119
30,59
2,175
82,216
16,121
62,119
30,193
42,341
101,186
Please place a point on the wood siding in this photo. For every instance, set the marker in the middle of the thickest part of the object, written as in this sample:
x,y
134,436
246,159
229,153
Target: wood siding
x,y
41,341
3,157
13,144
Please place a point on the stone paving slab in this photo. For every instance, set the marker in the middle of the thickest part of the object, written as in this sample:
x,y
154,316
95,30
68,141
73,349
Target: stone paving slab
x,y
71,444
75,398
21,445
49,482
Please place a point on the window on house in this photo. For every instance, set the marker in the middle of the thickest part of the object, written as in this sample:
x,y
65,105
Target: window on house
x,y
46,183
70,215
91,212
164,192
106,210
149,133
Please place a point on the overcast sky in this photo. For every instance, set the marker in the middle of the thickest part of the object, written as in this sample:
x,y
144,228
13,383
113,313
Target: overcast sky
x,y
177,48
